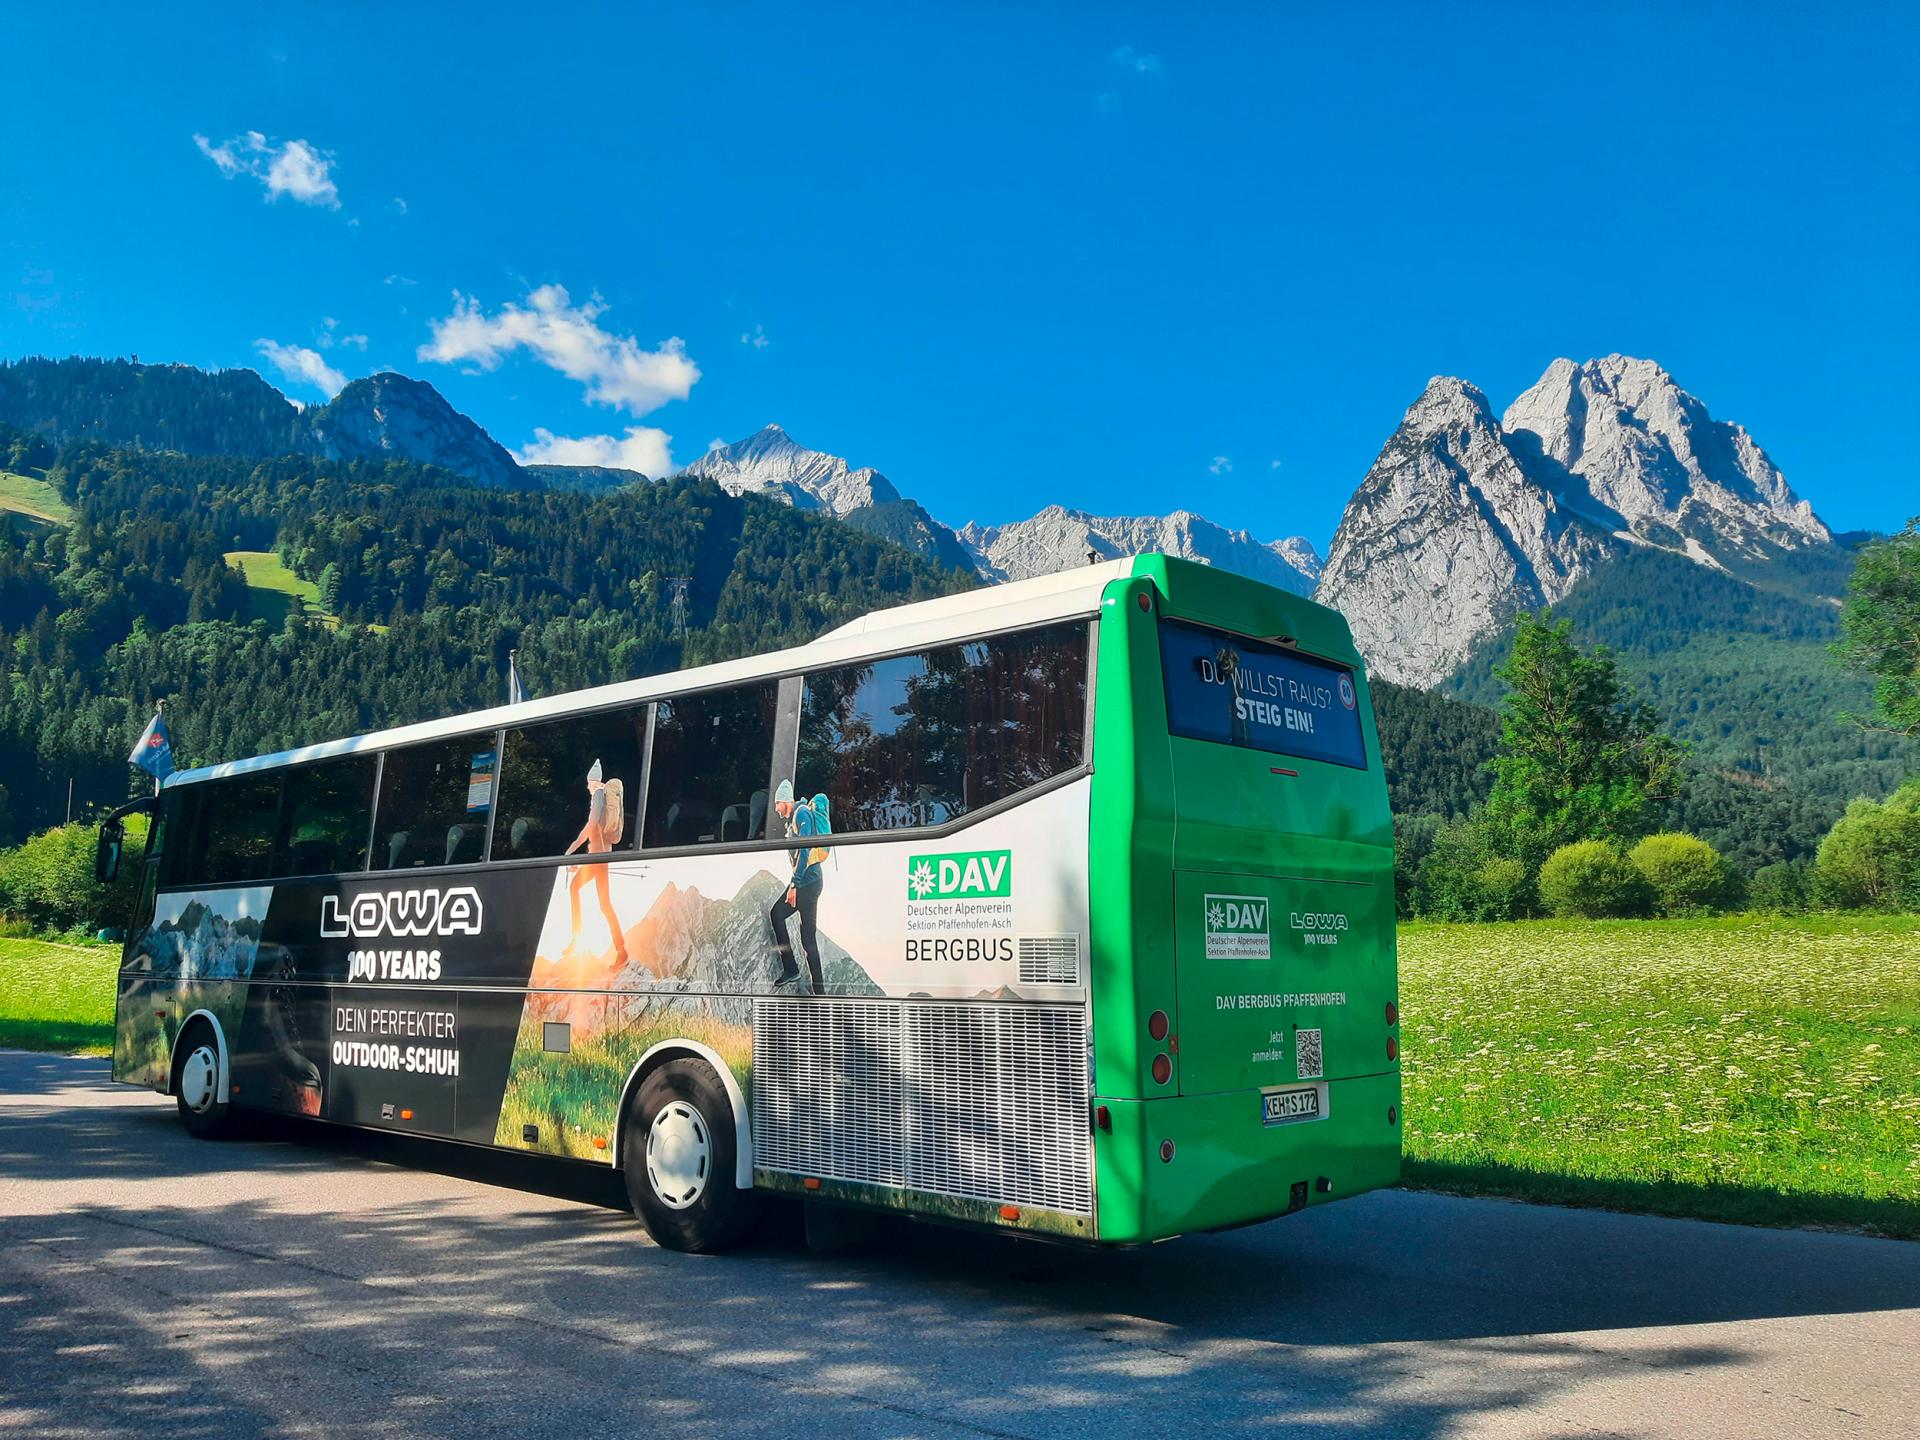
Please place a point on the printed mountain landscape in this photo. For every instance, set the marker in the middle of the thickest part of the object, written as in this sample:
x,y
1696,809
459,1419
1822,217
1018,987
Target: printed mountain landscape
x,y
394,551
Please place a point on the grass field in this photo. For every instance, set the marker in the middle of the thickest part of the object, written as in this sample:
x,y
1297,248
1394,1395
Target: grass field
x,y
31,496
57,997
1758,1070
273,588
1742,1069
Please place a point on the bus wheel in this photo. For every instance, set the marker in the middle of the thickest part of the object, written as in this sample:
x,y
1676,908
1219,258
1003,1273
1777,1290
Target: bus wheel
x,y
678,1151
196,1084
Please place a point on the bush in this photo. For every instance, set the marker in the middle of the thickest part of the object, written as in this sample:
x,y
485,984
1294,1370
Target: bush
x,y
1871,857
1687,874
1781,889
1592,880
48,880
1464,878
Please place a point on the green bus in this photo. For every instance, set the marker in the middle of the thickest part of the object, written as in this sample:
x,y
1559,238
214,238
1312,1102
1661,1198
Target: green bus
x,y
1063,907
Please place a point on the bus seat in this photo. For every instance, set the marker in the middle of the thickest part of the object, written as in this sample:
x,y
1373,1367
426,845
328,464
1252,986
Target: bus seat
x,y
396,847
517,835
757,815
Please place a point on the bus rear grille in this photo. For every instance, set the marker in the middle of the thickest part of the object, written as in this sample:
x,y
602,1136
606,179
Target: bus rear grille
x,y
976,1100
1049,959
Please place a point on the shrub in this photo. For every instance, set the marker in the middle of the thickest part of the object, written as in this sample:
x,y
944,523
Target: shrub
x,y
1687,874
1871,857
1782,889
49,879
1591,879
1463,877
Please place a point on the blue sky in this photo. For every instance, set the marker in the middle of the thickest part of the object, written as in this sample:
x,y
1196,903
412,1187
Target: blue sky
x,y
1124,257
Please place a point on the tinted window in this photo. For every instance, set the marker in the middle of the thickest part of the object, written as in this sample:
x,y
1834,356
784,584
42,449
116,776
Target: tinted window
x,y
923,739
434,801
1237,691
548,796
233,827
324,821
712,754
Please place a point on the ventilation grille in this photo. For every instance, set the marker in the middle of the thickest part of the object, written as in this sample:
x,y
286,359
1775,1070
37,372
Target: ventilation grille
x,y
829,1093
979,1101
1049,959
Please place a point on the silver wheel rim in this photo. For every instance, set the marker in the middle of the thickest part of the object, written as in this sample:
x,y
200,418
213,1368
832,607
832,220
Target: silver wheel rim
x,y
679,1155
199,1076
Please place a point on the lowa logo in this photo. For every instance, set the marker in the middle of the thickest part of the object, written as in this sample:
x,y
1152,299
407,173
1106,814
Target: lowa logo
x,y
375,913
965,875
1237,928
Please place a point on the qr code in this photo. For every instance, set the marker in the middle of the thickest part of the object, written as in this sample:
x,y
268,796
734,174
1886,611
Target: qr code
x,y
1307,1054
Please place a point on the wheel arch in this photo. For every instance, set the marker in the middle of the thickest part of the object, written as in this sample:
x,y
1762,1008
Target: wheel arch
x,y
225,1080
682,1049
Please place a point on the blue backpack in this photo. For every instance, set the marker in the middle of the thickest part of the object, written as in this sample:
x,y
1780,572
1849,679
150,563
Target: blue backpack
x,y
823,825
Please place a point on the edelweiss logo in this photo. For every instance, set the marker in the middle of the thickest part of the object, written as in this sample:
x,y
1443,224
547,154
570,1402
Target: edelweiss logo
x,y
1237,928
374,913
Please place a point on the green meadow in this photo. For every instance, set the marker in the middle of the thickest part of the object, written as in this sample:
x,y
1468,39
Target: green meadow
x,y
273,588
29,495
1753,1069
57,997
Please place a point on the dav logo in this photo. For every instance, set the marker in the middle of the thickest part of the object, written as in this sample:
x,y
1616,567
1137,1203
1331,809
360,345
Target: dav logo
x,y
374,913
1237,928
967,875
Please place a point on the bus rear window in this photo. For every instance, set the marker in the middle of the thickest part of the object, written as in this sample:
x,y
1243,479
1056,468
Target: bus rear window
x,y
1236,691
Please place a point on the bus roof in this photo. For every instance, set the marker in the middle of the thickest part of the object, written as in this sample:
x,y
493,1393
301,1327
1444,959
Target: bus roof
x,y
1012,606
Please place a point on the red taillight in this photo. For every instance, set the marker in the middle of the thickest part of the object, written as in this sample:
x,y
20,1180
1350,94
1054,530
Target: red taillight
x,y
1102,1118
1162,1069
1166,1152
1393,1114
1145,603
1009,1212
1158,1025
811,1183
1393,1048
1393,1013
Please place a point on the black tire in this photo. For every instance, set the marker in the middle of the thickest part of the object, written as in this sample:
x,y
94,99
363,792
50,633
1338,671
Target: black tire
x,y
681,1180
196,1084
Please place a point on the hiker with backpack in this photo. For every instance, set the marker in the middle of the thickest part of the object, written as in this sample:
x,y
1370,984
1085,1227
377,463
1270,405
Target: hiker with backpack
x,y
802,895
606,823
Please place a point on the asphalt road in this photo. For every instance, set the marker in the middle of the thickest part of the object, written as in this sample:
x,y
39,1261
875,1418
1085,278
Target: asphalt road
x,y
314,1282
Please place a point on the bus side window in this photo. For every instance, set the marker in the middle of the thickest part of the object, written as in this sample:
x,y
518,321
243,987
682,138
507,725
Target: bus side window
x,y
324,823
712,753
918,740
434,803
555,778
239,818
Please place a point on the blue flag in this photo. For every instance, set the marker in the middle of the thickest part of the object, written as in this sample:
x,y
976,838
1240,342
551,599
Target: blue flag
x,y
153,752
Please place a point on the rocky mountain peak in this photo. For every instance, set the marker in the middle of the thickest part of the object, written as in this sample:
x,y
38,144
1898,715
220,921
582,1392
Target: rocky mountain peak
x,y
393,417
770,462
1622,431
1060,539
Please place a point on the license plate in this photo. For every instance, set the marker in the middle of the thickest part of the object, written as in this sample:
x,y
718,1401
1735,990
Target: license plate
x,y
1282,1107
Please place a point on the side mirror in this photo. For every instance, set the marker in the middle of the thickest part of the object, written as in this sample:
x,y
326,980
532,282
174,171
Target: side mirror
x,y
106,855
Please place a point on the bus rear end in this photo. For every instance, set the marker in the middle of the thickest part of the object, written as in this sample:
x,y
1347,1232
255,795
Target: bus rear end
x,y
1241,866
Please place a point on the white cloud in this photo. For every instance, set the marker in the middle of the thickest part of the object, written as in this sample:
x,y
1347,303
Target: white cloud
x,y
330,336
298,363
297,168
399,204
756,337
1221,465
1131,60
399,280
1273,464
615,369
642,448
